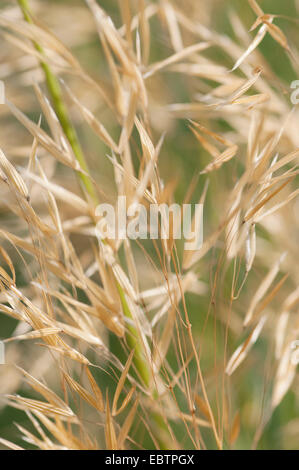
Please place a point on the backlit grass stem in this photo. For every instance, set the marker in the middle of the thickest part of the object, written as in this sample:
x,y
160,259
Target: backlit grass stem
x,y
61,112
132,336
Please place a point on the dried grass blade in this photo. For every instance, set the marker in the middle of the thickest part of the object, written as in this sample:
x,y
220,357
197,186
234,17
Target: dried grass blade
x,y
121,383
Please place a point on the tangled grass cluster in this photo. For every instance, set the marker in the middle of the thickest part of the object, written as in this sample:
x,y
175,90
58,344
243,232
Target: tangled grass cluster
x,y
142,344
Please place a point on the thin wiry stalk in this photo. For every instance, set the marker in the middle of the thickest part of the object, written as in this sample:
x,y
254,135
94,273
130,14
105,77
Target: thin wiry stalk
x,y
191,359
133,338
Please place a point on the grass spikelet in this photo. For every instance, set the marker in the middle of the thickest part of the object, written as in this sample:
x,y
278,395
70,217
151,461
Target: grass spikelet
x,y
135,341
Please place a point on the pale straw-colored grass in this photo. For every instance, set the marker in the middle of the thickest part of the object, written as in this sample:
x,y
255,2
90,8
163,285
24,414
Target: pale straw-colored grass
x,y
173,379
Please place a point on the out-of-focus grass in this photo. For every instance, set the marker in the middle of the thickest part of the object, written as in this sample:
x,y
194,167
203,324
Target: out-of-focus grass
x,y
184,156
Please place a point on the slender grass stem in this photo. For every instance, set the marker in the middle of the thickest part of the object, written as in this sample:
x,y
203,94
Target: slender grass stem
x,y
132,336
61,112
134,342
